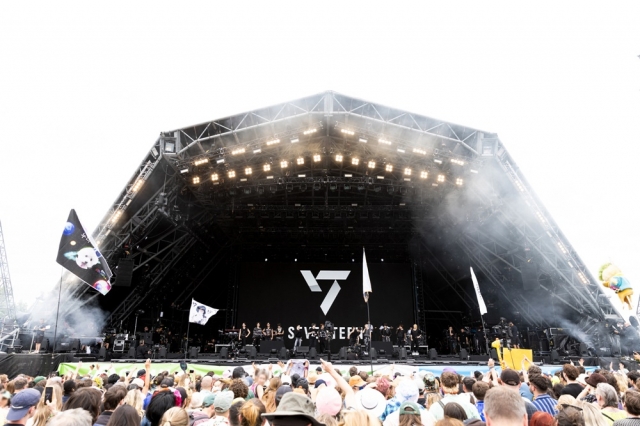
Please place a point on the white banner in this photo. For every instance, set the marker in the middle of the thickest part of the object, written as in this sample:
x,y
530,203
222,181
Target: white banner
x,y
366,281
481,305
200,313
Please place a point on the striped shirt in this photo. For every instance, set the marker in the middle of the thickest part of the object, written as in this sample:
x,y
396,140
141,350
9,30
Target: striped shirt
x,y
546,403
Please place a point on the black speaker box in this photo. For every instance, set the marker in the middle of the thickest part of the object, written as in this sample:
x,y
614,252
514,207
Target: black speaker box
x,y
529,272
224,352
343,353
464,355
313,354
433,354
124,273
283,353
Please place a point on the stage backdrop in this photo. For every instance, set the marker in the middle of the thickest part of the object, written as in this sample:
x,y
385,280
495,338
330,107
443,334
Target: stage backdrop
x,y
302,293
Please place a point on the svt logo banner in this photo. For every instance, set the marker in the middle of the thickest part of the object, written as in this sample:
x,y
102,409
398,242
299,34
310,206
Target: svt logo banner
x,y
333,291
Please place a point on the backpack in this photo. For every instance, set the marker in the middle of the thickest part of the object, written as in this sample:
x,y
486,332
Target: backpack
x,y
197,417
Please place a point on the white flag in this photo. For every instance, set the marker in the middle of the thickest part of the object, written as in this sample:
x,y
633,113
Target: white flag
x,y
481,305
200,313
366,281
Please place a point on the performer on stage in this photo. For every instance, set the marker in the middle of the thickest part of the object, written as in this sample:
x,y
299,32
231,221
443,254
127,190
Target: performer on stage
x,y
480,341
452,341
515,338
322,338
298,334
385,332
415,335
278,333
463,338
268,332
400,335
257,336
244,334
39,330
142,351
313,335
366,334
354,337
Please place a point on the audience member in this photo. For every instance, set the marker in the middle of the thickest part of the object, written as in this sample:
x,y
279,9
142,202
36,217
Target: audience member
x,y
503,407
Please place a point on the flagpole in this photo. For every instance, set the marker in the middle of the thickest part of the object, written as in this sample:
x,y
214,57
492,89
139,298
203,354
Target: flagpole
x,y
186,343
370,331
55,330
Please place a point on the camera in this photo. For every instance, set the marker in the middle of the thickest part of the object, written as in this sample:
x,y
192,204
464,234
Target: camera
x,y
328,325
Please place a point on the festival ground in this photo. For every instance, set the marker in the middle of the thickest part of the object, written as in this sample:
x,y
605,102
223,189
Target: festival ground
x,y
44,364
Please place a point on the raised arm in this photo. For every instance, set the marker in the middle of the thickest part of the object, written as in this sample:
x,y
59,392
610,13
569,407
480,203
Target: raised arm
x,y
349,397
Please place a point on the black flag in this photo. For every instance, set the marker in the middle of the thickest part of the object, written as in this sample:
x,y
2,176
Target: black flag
x,y
78,254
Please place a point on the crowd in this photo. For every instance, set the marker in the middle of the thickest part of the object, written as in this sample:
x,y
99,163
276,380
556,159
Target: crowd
x,y
325,396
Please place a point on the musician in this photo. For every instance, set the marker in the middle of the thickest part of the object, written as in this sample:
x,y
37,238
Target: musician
x,y
39,330
322,338
452,341
463,338
415,334
354,337
257,336
244,334
480,341
313,335
366,334
268,332
385,332
515,337
400,335
278,333
298,334
142,351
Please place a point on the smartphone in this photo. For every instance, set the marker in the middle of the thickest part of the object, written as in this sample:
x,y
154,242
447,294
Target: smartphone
x,y
48,393
191,371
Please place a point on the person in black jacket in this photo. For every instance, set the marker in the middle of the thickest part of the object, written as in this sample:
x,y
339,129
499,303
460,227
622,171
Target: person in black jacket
x,y
142,351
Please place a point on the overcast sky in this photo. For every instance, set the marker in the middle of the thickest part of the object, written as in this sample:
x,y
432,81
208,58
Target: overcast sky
x,y
86,87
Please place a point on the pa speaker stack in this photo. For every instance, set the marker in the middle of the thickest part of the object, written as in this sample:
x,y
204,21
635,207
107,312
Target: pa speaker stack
x,y
464,355
433,354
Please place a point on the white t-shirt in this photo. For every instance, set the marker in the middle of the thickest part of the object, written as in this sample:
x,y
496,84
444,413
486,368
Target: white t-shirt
x,y
393,419
462,399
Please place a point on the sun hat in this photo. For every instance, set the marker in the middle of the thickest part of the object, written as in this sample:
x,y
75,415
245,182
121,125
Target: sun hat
x,y
294,404
372,401
328,401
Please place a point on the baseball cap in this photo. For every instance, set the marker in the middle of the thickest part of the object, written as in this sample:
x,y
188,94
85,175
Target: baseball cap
x,y
223,401
196,400
328,401
141,372
372,401
38,379
409,407
208,400
21,403
356,381
510,377
281,391
138,382
295,404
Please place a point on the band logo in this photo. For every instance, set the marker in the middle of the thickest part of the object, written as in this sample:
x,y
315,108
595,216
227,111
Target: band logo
x,y
336,276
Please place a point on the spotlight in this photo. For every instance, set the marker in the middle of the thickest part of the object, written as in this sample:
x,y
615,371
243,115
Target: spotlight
x,y
355,161
407,171
232,173
424,175
316,157
260,190
295,140
248,171
363,140
333,186
360,187
183,171
339,158
419,151
300,161
196,179
371,164
136,186
388,168
458,162
348,132
436,160
201,161
214,177
273,189
440,178
347,187
303,187
384,141
316,186
284,164
459,181
220,161
273,142
247,191
238,151
310,131
266,167
377,189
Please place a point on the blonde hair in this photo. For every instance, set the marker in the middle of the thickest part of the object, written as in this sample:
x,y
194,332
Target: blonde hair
x,y
358,418
431,399
592,416
251,413
175,416
134,399
327,419
565,399
43,412
622,381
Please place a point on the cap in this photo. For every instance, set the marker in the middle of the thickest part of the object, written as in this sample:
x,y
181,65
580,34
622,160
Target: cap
x,y
295,404
21,403
208,400
382,385
356,381
409,407
238,373
510,377
38,379
328,401
141,372
196,400
138,382
286,380
372,401
407,390
5,395
281,391
594,379
223,401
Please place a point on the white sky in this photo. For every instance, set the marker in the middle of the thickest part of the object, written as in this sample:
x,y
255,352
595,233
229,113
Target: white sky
x,y
86,87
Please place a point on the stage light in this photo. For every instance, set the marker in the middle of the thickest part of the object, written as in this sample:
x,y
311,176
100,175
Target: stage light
x,y
295,140
419,151
265,260
473,171
583,278
459,182
347,187
183,171
238,151
440,178
384,141
540,217
266,167
519,185
377,189
284,164
137,185
363,140
300,161
248,171
232,173
458,162
388,168
201,161
401,150
381,260
316,157
116,216
273,189
260,190
333,186
348,175
424,175
247,191
371,164
437,161
339,158
407,171
310,131
257,151
360,187
348,132
355,161
214,177
273,142
316,186
220,161
196,179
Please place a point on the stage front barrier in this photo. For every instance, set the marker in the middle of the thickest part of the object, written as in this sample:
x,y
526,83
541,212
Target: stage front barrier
x,y
514,357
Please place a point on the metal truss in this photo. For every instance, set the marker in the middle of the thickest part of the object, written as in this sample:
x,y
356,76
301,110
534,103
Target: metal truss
x,y
7,305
